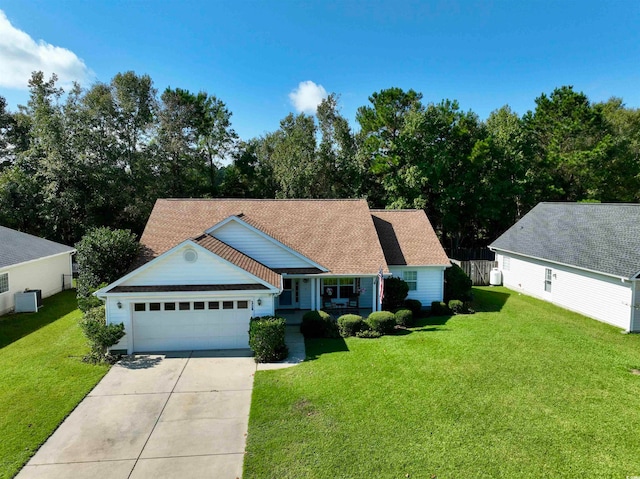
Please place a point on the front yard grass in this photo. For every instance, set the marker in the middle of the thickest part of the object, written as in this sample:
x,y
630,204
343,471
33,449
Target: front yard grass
x,y
520,389
42,376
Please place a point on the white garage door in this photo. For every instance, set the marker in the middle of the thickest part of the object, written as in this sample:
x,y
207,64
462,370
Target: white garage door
x,y
177,326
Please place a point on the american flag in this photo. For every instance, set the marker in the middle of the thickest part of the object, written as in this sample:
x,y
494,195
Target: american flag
x,y
380,286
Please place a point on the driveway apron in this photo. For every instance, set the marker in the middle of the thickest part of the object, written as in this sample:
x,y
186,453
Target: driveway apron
x,y
156,416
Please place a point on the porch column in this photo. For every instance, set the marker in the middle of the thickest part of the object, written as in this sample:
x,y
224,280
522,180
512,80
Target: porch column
x,y
313,294
374,295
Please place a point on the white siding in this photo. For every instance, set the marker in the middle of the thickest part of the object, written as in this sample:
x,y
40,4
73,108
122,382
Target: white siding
x,y
598,296
430,282
258,247
207,269
44,274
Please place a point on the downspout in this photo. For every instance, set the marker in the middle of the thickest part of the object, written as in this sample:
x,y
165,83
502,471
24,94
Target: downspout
x,y
634,307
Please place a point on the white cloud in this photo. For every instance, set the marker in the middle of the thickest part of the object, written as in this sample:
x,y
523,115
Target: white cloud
x,y
20,55
307,97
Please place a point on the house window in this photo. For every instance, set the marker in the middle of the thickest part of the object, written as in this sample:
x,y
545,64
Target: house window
x,y
198,305
506,263
243,304
227,305
411,278
338,287
184,306
547,280
214,305
139,307
4,282
154,306
169,306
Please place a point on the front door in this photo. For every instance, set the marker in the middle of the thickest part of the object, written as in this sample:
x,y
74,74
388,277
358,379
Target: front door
x,y
289,295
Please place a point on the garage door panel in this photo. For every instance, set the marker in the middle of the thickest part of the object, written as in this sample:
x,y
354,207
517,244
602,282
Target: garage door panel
x,y
191,329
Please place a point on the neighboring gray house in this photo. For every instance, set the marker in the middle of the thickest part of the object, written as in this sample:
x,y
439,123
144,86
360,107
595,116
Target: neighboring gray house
x,y
29,262
582,256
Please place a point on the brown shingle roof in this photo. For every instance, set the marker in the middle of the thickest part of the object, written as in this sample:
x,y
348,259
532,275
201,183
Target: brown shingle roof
x,y
239,259
408,238
337,234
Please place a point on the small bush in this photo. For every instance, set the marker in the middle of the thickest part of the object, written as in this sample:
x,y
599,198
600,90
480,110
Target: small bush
x,y
368,334
457,285
85,303
318,324
395,291
382,321
457,306
350,325
414,305
438,308
100,335
404,317
266,338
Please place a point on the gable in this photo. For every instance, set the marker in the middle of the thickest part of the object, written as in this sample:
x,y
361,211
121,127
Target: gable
x,y
173,269
259,246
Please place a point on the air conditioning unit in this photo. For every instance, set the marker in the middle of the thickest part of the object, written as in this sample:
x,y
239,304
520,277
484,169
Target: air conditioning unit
x,y
26,302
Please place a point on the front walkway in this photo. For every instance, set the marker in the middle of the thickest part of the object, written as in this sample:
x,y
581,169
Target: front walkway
x,y
160,416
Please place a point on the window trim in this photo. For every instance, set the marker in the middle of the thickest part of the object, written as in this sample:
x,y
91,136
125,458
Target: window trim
x,y
411,282
339,284
548,275
6,274
506,263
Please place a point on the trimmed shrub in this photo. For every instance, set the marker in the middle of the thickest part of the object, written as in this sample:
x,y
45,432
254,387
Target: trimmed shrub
x,y
439,308
382,321
395,292
350,325
318,324
404,317
368,334
457,285
101,336
414,305
266,338
457,306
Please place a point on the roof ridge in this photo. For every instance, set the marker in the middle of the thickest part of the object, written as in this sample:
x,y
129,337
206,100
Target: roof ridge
x,y
315,200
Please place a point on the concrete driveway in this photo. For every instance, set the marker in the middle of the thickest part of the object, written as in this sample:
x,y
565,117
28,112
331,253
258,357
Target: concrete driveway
x,y
156,416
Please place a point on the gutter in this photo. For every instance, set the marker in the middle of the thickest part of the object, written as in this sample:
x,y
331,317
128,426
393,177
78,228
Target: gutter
x,y
623,278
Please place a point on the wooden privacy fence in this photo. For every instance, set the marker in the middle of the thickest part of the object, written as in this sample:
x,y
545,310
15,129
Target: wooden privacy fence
x,y
477,269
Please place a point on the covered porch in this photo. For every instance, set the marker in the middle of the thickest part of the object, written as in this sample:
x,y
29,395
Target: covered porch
x,y
335,294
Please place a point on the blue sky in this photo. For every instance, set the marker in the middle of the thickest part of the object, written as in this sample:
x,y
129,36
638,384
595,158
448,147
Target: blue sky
x,y
252,55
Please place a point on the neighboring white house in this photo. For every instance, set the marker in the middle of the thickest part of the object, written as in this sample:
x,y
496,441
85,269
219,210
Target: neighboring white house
x,y
211,265
582,256
29,262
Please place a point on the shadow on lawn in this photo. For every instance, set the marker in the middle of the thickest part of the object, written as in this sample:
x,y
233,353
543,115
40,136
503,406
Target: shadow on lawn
x,y
18,325
489,301
317,347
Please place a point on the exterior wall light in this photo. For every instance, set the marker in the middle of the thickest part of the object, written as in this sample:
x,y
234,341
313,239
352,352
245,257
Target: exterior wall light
x,y
119,305
259,302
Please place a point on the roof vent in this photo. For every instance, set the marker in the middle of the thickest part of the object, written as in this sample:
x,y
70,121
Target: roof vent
x,y
190,255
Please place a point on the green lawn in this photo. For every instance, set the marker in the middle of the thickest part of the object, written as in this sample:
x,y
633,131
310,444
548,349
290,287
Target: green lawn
x,y
520,389
42,376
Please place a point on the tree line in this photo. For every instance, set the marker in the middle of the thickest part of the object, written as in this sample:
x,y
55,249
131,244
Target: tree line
x,y
72,161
